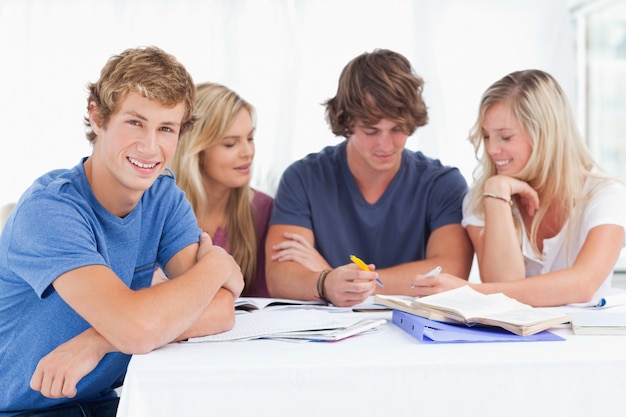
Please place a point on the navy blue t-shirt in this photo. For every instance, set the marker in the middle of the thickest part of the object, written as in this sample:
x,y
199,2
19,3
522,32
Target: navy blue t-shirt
x,y
319,193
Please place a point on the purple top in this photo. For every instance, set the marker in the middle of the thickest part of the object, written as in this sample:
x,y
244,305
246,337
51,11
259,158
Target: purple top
x,y
261,210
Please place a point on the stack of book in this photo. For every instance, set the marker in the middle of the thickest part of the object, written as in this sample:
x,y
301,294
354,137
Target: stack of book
x,y
469,307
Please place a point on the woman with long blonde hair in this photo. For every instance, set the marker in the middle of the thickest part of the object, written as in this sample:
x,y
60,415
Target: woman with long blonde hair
x,y
213,165
547,224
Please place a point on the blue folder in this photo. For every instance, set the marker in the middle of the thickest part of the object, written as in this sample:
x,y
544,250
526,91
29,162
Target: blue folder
x,y
430,331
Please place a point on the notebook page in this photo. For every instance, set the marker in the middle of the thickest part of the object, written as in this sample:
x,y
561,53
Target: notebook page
x,y
271,323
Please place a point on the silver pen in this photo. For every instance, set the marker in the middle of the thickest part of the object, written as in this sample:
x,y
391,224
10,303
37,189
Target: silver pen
x,y
431,273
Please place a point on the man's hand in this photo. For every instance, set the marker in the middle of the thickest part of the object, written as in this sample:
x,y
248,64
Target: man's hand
x,y
58,373
296,248
222,261
348,285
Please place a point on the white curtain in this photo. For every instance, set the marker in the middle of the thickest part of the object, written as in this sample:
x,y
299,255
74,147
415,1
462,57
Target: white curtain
x,y
284,56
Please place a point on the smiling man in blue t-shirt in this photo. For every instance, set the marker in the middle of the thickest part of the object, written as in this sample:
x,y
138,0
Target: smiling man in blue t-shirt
x,y
369,196
78,252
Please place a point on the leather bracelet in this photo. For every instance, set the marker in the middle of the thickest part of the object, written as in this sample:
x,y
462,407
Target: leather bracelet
x,y
508,200
320,285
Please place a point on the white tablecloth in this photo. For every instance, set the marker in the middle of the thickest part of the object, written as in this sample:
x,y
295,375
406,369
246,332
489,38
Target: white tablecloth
x,y
387,373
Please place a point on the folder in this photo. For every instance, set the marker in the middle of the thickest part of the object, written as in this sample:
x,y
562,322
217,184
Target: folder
x,y
430,331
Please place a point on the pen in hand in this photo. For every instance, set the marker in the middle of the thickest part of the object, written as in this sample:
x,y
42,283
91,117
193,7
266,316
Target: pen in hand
x,y
364,267
430,273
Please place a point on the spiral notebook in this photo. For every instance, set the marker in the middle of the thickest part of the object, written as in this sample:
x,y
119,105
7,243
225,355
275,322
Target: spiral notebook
x,y
312,325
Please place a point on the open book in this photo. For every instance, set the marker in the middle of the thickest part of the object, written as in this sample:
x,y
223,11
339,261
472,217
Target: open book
x,y
430,331
310,325
465,305
260,303
253,304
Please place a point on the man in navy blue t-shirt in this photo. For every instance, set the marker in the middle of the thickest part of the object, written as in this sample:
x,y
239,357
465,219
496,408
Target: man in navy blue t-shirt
x,y
398,210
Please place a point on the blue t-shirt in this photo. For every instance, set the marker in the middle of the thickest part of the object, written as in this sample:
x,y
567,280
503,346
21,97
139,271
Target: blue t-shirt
x,y
57,226
320,194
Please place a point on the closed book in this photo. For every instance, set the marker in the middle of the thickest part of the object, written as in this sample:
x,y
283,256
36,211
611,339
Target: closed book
x,y
599,323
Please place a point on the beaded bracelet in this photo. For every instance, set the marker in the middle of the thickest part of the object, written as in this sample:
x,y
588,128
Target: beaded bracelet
x,y
499,197
320,285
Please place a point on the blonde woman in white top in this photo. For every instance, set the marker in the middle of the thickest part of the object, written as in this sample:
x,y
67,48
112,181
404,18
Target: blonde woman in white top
x,y
546,223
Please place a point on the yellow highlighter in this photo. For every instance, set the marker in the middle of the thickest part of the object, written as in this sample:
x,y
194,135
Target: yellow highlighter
x,y
364,267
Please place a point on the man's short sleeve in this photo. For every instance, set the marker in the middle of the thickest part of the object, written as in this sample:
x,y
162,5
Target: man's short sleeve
x,y
50,236
291,202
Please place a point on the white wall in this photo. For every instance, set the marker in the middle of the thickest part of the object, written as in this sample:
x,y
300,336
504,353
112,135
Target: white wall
x,y
284,56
